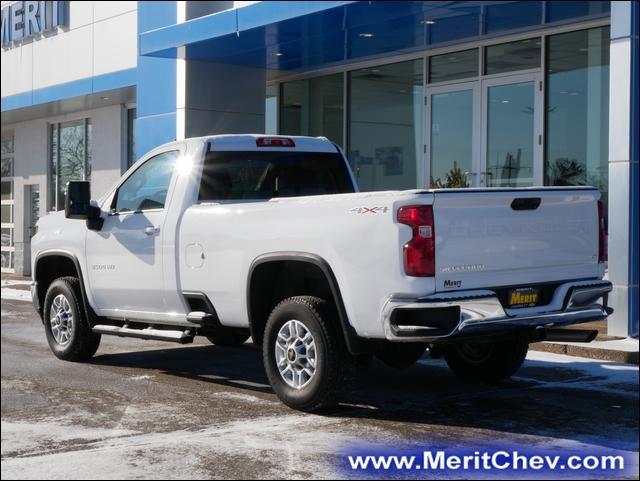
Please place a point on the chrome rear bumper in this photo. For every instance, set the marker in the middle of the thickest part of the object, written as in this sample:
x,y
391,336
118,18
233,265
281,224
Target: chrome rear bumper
x,y
452,315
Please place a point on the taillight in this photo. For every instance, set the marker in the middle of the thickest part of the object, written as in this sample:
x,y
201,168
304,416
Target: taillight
x,y
275,142
420,251
602,234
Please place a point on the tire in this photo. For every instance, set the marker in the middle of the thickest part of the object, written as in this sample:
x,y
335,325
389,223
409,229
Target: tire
x,y
401,355
490,362
294,318
228,336
66,325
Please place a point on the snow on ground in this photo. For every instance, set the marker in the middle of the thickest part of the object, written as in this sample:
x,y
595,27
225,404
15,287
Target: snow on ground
x,y
15,294
13,282
302,440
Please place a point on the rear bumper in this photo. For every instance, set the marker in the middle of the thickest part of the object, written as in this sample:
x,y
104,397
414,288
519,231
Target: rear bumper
x,y
452,316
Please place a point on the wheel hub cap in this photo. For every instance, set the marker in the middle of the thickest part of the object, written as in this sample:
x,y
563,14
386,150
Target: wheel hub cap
x,y
61,320
296,355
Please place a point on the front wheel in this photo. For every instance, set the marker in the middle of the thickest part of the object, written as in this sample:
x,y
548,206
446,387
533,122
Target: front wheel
x,y
68,331
486,362
303,353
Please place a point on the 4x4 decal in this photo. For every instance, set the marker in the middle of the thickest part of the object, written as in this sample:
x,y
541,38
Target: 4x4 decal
x,y
369,210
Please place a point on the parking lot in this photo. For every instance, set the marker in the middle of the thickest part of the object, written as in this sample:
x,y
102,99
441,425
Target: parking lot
x,y
143,409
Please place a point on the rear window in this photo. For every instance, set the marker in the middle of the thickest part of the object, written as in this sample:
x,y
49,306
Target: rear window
x,y
264,175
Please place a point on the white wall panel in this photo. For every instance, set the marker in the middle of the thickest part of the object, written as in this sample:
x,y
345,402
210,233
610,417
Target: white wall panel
x,y
17,70
115,43
104,10
101,38
80,14
63,58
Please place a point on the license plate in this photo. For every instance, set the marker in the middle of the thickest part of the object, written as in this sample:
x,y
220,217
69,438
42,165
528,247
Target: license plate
x,y
523,297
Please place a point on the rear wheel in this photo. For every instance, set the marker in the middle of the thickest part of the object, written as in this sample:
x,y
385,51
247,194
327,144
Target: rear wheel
x,y
401,355
228,336
304,356
486,362
68,331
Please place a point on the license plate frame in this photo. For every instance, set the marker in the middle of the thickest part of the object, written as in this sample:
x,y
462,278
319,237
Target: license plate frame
x,y
523,297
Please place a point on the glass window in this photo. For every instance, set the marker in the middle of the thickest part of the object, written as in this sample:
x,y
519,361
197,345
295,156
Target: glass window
x,y
7,187
7,144
147,187
507,57
461,22
500,16
70,157
313,107
7,167
451,138
385,126
577,140
131,137
453,66
510,110
264,175
563,10
7,260
6,213
7,237
271,110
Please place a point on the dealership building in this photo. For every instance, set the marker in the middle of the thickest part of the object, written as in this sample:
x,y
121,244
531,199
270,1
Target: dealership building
x,y
419,94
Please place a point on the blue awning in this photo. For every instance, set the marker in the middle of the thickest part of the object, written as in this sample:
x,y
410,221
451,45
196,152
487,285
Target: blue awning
x,y
307,35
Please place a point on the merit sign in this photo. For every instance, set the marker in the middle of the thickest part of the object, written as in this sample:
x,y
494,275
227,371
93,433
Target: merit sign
x,y
22,20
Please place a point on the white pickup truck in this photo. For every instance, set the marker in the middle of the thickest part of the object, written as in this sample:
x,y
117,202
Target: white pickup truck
x,y
234,236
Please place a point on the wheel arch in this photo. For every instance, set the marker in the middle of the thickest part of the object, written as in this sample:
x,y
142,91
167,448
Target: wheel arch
x,y
54,264
262,297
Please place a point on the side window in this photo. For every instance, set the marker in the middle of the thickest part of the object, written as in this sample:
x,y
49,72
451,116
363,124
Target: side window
x,y
147,187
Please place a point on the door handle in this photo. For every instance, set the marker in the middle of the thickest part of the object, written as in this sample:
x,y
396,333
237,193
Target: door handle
x,y
151,230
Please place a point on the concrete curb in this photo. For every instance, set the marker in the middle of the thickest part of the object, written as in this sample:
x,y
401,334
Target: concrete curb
x,y
598,352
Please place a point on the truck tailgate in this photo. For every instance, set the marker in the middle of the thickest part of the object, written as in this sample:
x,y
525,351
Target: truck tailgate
x,y
520,237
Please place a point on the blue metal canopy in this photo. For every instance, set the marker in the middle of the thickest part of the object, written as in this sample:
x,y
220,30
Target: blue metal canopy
x,y
306,35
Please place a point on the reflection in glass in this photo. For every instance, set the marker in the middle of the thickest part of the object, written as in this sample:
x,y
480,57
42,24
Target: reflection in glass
x,y
507,57
563,10
453,66
313,107
385,125
510,117
500,16
7,167
131,137
7,260
451,138
6,213
7,190
577,147
70,157
271,110
7,237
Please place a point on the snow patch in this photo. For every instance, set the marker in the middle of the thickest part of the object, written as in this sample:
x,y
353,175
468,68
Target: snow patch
x,y
24,437
15,294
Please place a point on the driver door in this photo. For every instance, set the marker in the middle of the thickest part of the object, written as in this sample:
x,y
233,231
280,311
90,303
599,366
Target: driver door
x,y
124,258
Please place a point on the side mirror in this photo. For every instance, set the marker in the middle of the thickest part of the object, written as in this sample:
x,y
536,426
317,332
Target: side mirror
x,y
77,202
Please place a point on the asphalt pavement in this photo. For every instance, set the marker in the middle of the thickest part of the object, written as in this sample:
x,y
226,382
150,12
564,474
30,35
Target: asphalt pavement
x,y
145,409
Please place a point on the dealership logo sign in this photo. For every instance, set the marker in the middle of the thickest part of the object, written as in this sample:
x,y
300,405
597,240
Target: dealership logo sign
x,y
23,20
